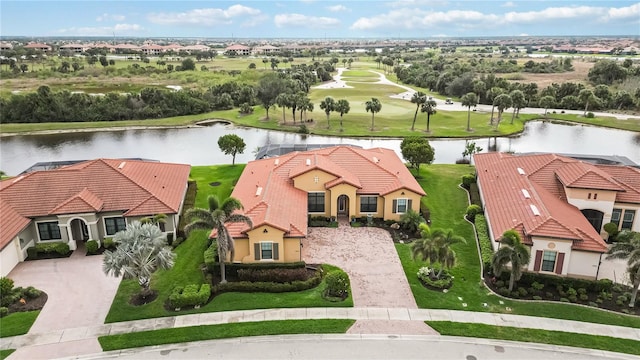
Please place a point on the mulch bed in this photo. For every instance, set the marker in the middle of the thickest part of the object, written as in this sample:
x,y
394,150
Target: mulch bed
x,y
138,299
31,304
46,256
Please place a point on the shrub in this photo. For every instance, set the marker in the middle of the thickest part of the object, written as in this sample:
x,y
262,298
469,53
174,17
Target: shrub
x,y
55,247
537,286
522,291
32,252
472,211
410,221
6,286
486,250
590,115
549,295
599,301
583,297
246,108
190,295
611,229
499,283
474,194
504,291
233,268
269,287
564,300
337,284
582,291
4,311
536,297
211,257
467,180
273,275
463,161
92,247
572,292
108,243
573,298
303,129
32,292
593,304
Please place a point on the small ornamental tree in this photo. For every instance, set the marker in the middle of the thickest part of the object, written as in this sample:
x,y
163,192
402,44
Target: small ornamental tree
x,y
416,150
231,144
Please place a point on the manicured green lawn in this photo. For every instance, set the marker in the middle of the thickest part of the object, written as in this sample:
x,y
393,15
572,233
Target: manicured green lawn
x,y
5,353
189,257
17,323
536,336
448,203
211,332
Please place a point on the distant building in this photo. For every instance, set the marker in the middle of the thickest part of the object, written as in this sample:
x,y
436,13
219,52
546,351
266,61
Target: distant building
x,y
238,49
38,47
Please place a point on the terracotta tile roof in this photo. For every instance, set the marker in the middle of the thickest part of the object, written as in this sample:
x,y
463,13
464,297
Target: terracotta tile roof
x,y
523,193
12,223
131,186
586,176
266,189
628,178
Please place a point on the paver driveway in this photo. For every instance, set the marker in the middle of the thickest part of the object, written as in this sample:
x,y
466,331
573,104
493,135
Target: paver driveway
x,y
369,258
80,294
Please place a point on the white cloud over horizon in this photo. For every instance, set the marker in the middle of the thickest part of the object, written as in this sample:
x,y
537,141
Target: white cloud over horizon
x,y
107,17
300,20
338,8
206,16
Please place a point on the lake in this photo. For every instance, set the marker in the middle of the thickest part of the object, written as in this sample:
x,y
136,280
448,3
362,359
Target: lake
x,y
199,145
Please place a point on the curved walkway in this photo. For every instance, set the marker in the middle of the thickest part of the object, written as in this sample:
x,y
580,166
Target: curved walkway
x,y
67,336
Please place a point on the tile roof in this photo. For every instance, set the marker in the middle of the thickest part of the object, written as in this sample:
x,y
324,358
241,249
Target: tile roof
x,y
266,189
545,212
12,223
132,186
628,178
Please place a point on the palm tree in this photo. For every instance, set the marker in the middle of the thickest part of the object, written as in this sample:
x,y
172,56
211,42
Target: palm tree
x,y
494,92
418,98
374,106
434,246
627,246
587,96
512,251
342,106
328,105
469,100
429,107
141,251
156,220
546,102
502,102
283,100
519,101
216,217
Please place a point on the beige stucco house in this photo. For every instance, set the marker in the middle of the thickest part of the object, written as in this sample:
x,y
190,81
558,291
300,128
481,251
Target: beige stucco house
x,y
279,194
90,200
559,206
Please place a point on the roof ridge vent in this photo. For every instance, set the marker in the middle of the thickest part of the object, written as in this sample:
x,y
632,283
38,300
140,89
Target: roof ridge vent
x,y
521,171
535,210
122,164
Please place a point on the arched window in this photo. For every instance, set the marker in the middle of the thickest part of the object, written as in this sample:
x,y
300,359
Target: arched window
x,y
594,217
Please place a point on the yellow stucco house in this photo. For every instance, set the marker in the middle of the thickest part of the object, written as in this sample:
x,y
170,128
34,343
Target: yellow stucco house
x,y
280,193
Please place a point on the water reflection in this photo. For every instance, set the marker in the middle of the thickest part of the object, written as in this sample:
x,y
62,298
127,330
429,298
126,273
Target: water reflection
x,y
199,145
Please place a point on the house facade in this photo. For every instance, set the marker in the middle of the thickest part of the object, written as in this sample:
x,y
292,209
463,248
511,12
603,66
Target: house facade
x,y
280,194
559,205
90,200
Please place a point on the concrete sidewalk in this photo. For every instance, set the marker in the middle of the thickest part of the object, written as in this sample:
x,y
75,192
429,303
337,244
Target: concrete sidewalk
x,y
395,314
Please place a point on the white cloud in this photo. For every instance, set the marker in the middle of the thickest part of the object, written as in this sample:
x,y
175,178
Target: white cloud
x,y
629,12
420,19
405,3
120,29
207,16
107,17
337,8
524,34
509,4
299,20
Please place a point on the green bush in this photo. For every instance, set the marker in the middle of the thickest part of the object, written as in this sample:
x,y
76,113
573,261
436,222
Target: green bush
x,y
303,129
593,304
337,284
549,295
6,286
504,291
486,250
92,247
474,194
410,221
4,311
583,297
590,115
32,292
190,295
522,291
211,257
537,286
536,297
611,229
55,247
269,287
273,275
472,211
108,243
32,253
564,300
467,180
232,268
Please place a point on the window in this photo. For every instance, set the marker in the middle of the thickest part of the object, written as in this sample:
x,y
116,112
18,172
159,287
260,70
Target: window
x,y
315,202
266,250
549,261
49,231
368,204
114,224
401,206
615,216
627,219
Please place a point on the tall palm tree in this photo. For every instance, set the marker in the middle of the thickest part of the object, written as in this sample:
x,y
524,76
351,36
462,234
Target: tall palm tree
x,y
342,106
434,246
502,102
519,101
494,92
417,98
627,246
216,217
284,101
429,107
328,105
469,100
587,97
546,102
374,106
512,251
141,251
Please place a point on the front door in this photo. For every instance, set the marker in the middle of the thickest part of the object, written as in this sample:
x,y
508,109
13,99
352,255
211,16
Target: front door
x,y
343,205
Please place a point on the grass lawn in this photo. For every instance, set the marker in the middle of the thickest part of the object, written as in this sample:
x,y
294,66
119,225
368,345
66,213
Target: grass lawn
x,y
536,336
17,323
5,353
448,203
224,331
189,257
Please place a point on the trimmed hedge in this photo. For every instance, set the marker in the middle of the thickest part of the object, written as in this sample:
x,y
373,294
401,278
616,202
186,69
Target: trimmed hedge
x,y
190,295
273,275
269,287
211,257
55,247
594,286
467,180
472,211
232,268
92,247
108,243
486,250
338,284
474,194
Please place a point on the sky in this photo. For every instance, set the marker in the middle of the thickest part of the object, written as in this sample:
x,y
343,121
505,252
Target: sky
x,y
318,19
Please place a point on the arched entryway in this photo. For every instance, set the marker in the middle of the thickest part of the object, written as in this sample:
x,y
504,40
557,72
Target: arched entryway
x,y
343,206
79,230
594,217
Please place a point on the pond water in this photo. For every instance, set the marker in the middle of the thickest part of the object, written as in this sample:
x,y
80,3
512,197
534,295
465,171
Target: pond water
x,y
199,145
